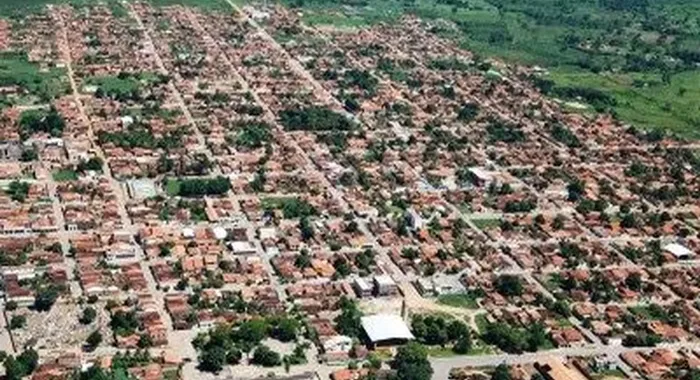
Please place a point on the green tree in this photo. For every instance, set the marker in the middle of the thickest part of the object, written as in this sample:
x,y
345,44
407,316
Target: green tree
x,y
45,298
18,191
88,316
212,359
501,373
348,322
265,357
536,336
234,356
342,268
252,332
509,285
463,344
286,330
18,322
93,340
411,363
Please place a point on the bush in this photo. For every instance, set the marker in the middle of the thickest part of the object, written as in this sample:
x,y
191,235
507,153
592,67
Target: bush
x,y
88,316
18,322
212,359
93,340
265,357
45,298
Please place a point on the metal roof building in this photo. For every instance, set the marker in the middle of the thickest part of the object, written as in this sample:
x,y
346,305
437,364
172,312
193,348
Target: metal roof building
x,y
384,327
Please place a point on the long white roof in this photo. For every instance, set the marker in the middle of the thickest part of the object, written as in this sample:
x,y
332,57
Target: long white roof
x,y
385,327
678,250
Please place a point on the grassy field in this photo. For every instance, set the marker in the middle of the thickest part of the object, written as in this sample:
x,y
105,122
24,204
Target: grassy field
x,y
41,86
172,187
486,223
65,175
466,301
643,100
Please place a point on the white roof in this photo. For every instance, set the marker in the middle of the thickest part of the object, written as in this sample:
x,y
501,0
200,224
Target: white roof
x,y
362,284
384,280
143,188
268,233
481,174
219,233
383,327
188,232
242,246
678,250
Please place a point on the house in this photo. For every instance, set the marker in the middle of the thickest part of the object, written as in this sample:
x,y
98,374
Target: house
x,y
362,287
555,369
384,285
338,343
242,247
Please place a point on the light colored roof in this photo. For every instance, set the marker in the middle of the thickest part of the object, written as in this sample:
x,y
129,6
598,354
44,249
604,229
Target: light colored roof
x,y
362,284
219,233
384,280
268,233
142,188
481,174
678,250
383,327
242,246
188,232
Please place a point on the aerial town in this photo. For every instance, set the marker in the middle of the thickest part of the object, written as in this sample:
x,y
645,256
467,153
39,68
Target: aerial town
x,y
191,193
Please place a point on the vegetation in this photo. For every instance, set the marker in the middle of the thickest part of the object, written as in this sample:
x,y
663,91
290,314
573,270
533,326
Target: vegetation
x,y
23,365
564,135
465,300
18,322
93,164
265,357
348,322
197,187
411,363
292,208
88,316
314,119
65,175
41,121
93,340
46,296
504,132
124,323
16,70
436,330
253,136
141,136
515,340
18,191
225,344
509,285
125,86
